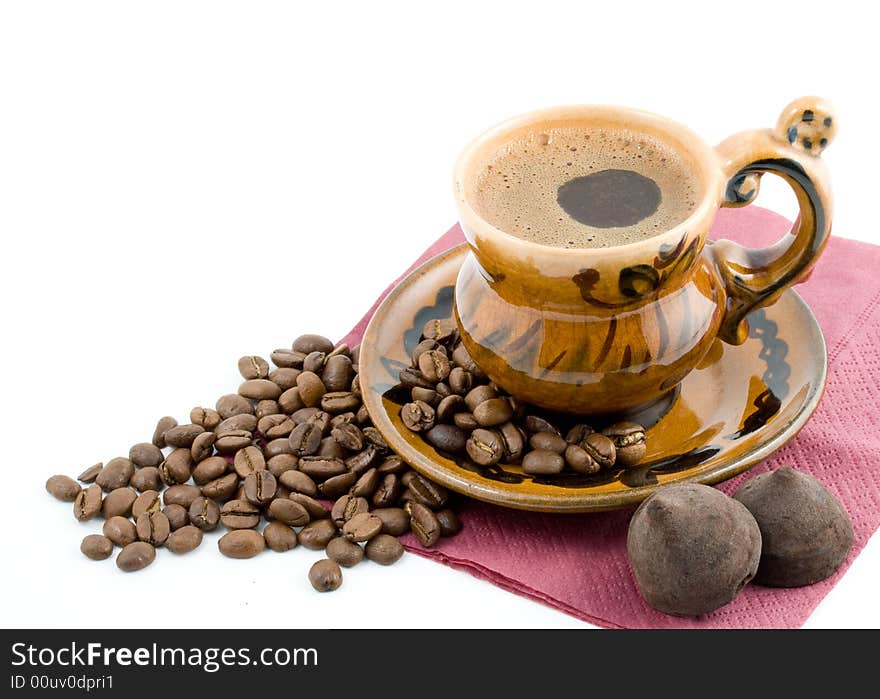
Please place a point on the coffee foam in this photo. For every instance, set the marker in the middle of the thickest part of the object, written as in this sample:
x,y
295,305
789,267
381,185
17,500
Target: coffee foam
x,y
517,185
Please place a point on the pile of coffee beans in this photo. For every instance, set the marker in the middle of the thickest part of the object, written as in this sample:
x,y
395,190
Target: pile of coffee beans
x,y
294,446
457,410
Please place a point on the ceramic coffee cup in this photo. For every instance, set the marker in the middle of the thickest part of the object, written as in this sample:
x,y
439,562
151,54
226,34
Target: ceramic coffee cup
x,y
599,330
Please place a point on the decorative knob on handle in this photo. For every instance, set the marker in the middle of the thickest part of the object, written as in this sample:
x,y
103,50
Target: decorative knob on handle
x,y
807,124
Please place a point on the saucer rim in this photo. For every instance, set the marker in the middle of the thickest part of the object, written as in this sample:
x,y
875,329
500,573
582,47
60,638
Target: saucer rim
x,y
569,502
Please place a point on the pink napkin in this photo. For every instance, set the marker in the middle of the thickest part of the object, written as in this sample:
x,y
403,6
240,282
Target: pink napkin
x,y
578,563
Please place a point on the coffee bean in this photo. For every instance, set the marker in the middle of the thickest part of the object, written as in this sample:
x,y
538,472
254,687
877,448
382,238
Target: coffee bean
x,y
90,474
450,525
362,527
413,378
384,549
513,440
221,488
277,447
578,433
177,515
485,447
289,512
185,539
580,460
346,553
426,395
120,530
164,424
338,373
348,436
493,412
243,421
314,507
461,358
440,330
630,442
337,485
145,479
418,416
423,523
203,446
347,507
311,388
448,438
232,404
204,514
205,417
387,491
63,488
96,547
320,468
148,501
305,439
239,514
136,556
299,482
145,454
116,474
209,469
87,503
321,420
316,535
118,502
465,421
230,442
177,467
181,495
428,492
279,537
241,543
260,487
395,520
183,435
360,462
290,401
542,462
312,343
534,423
339,402
601,449
434,365
259,389
366,483
362,416
479,394
548,440
153,528
314,362
421,348
253,367
284,378
266,407
392,464
248,461
275,426
288,358
325,575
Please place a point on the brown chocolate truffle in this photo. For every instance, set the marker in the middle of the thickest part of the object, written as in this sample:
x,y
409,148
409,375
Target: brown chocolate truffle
x,y
692,549
806,532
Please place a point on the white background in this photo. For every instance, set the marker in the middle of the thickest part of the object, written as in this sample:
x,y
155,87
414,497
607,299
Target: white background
x,y
182,183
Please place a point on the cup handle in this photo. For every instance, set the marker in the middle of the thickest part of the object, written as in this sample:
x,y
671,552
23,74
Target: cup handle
x,y
755,277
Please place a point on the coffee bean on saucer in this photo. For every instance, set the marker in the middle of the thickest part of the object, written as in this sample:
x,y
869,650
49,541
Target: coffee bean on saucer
x,y
513,440
535,423
448,438
465,421
145,454
440,330
253,367
87,503
542,462
413,378
164,424
136,556
548,440
580,460
434,365
629,440
205,417
417,416
384,549
63,488
146,479
148,501
346,553
185,539
485,447
241,543
120,530
279,537
116,474
601,451
325,576
479,394
493,412
578,433
316,535
96,547
424,524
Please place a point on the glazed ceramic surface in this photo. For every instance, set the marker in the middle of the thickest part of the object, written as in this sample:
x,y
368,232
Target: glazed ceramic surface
x,y
598,330
740,404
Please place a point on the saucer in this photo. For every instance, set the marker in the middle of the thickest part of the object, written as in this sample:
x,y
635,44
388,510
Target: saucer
x,y
734,410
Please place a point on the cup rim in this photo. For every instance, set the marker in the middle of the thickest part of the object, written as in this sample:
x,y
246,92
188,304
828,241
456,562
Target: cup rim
x,y
701,153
